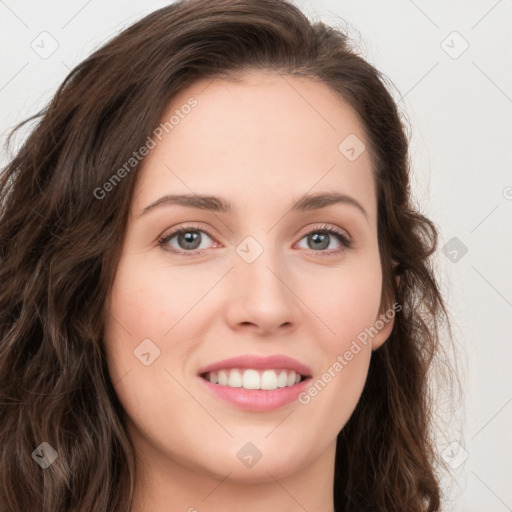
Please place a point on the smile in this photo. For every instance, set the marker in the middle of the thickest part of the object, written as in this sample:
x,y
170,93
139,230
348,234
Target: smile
x,y
255,382
254,379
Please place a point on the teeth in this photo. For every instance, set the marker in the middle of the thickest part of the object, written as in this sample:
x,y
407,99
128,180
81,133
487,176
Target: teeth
x,y
223,378
282,380
235,379
268,380
254,379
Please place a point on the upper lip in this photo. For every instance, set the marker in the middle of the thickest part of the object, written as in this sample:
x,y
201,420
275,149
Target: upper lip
x,y
276,362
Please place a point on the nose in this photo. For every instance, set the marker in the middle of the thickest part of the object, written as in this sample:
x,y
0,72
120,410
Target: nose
x,y
262,296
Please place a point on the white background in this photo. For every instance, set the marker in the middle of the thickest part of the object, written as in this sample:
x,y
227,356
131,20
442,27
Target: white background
x,y
460,112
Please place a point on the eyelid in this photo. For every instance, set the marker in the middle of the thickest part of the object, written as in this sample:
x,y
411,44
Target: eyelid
x,y
322,226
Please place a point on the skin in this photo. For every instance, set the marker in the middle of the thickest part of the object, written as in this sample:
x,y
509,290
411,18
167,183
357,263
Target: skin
x,y
261,143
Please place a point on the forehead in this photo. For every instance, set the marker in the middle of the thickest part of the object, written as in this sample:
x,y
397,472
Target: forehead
x,y
261,136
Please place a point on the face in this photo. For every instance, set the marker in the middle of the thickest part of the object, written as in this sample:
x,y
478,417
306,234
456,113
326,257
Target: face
x,y
285,288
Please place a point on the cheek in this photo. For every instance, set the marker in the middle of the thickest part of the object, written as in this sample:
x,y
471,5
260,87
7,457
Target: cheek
x,y
357,309
348,302
148,302
149,309
349,306
143,308
136,316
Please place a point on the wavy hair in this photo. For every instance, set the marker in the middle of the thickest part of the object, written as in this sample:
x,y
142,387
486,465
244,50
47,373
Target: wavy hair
x,y
60,245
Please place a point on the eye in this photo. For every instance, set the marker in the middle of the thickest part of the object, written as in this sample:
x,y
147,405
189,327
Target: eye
x,y
189,240
321,238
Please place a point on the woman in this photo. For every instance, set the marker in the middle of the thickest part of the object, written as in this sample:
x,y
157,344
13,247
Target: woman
x,y
212,277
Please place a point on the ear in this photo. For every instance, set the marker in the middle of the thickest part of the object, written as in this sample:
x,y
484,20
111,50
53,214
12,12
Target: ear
x,y
385,320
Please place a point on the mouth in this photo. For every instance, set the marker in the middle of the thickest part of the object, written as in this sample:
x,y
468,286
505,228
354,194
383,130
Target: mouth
x,y
252,378
256,383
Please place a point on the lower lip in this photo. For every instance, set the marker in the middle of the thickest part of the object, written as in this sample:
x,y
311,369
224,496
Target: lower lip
x,y
257,399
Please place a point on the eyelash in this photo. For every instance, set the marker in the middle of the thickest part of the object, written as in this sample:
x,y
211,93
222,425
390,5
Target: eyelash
x,y
340,235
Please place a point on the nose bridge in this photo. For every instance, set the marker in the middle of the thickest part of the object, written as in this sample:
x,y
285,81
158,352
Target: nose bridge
x,y
263,284
259,260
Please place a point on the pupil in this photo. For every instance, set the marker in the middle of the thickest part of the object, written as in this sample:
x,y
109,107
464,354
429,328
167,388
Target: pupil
x,y
190,237
322,238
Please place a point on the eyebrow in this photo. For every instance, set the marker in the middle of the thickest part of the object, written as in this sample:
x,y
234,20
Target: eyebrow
x,y
307,202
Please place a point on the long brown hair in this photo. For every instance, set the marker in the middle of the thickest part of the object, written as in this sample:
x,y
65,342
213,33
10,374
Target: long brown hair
x,y
60,244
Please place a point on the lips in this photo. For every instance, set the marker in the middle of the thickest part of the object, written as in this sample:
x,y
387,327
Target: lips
x,y
256,383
